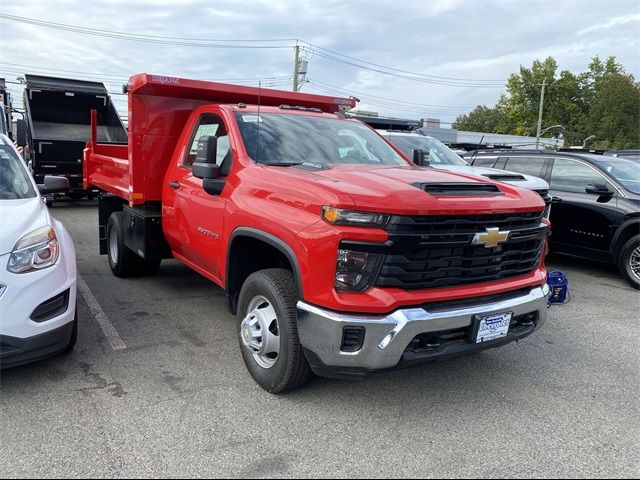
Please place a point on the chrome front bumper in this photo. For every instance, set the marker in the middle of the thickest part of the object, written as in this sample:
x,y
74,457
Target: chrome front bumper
x,y
387,337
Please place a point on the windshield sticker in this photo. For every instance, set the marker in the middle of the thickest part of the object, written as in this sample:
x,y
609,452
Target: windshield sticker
x,y
4,155
251,118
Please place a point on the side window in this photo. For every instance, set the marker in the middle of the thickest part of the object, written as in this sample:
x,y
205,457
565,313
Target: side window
x,y
572,176
209,125
483,161
526,165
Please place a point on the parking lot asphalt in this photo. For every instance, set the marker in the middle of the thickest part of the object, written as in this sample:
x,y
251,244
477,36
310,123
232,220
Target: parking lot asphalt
x,y
177,401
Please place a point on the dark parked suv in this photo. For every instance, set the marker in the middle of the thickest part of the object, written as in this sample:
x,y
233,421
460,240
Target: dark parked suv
x,y
595,211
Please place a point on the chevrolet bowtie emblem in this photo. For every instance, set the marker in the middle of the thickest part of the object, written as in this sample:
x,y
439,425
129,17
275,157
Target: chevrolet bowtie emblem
x,y
491,238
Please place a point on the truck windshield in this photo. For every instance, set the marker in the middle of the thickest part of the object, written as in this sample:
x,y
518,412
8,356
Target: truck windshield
x,y
14,179
625,171
281,139
440,154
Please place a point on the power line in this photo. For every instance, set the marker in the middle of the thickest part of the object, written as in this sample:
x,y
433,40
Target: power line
x,y
125,77
434,77
162,40
273,81
407,77
260,43
387,105
410,104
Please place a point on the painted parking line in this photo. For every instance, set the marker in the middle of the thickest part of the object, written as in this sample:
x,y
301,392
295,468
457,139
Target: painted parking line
x,y
96,310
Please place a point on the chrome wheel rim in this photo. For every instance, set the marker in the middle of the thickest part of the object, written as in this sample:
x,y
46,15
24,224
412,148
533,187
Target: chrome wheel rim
x,y
634,262
113,246
260,332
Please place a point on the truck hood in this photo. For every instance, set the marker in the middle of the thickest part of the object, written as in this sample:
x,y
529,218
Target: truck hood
x,y
505,176
396,190
18,218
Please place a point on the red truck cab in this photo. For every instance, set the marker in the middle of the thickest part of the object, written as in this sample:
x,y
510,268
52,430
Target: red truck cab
x,y
338,254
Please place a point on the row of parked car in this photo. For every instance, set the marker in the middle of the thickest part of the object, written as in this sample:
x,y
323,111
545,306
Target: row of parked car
x,y
593,199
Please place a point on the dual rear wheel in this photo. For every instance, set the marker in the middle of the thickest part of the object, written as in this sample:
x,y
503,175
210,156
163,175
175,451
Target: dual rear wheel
x,y
123,261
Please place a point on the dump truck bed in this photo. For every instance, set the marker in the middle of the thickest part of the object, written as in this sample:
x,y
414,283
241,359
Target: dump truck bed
x,y
58,121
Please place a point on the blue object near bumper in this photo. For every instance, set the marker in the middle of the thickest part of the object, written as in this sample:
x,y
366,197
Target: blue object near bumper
x,y
559,284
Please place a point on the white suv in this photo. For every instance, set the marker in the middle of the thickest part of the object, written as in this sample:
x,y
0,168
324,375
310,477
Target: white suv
x,y
37,267
441,156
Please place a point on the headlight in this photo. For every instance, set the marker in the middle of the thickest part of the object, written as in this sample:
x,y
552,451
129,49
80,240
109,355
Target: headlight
x,y
338,216
356,271
34,251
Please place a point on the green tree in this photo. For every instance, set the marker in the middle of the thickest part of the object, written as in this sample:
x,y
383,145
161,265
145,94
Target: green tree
x,y
603,101
483,119
614,114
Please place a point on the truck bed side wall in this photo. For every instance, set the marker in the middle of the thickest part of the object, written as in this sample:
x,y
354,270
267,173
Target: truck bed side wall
x,y
156,124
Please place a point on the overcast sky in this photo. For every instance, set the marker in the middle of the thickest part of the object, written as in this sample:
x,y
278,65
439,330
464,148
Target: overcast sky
x,y
475,43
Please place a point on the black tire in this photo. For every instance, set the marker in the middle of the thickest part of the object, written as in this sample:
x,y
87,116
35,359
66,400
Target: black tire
x,y
624,261
291,369
74,335
123,261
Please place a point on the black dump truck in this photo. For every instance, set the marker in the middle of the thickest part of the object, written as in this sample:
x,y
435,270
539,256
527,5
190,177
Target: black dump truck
x,y
58,119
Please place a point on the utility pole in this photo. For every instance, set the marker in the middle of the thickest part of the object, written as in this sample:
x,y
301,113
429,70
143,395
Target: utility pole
x,y
296,66
544,84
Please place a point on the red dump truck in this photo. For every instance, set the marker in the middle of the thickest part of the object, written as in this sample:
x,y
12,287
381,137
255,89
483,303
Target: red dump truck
x,y
339,255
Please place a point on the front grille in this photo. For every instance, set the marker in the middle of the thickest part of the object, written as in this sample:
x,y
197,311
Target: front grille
x,y
436,251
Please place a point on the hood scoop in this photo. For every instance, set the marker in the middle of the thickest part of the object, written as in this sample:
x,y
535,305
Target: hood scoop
x,y
499,177
458,189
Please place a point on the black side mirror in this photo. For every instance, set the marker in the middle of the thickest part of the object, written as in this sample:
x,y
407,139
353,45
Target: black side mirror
x,y
601,189
21,132
421,157
54,185
205,165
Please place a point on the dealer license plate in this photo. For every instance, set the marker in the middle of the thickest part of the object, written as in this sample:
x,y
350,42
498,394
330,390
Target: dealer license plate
x,y
492,327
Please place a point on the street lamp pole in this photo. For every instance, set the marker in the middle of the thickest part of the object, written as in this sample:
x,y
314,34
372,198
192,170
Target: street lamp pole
x,y
544,84
588,139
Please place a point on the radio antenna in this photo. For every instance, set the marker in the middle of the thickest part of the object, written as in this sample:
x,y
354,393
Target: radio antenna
x,y
258,127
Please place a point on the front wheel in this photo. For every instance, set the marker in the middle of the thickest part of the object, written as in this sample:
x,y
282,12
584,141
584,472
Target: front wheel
x,y
629,261
268,331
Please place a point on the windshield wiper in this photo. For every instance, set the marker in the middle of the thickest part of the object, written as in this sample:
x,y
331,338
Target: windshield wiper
x,y
281,164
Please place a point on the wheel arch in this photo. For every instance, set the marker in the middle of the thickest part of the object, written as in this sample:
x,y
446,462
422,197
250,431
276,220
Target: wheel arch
x,y
243,259
628,229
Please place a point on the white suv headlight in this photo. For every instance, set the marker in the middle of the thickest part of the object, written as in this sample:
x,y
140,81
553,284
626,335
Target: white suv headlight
x,y
35,251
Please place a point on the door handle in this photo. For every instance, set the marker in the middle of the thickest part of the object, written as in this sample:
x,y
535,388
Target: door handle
x,y
175,185
556,199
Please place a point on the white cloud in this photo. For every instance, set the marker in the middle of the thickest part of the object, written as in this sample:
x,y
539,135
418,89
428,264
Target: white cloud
x,y
614,22
450,38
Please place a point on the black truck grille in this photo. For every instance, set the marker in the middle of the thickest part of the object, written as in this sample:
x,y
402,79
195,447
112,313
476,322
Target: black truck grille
x,y
437,251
